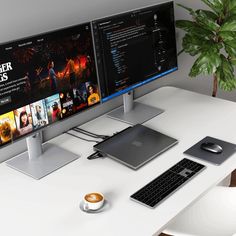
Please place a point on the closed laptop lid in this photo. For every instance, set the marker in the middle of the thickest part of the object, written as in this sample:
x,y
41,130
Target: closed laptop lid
x,y
135,145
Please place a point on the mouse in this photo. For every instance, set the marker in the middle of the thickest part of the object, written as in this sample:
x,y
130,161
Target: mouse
x,y
212,147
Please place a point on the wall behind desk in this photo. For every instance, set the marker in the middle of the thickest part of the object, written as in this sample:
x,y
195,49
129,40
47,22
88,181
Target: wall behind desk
x,y
25,18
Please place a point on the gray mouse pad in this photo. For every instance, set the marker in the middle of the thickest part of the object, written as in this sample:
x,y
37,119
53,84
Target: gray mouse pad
x,y
217,159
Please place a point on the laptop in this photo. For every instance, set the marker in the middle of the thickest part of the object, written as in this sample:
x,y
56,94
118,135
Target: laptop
x,y
135,146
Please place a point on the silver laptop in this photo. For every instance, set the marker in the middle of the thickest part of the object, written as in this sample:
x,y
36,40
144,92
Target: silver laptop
x,y
135,145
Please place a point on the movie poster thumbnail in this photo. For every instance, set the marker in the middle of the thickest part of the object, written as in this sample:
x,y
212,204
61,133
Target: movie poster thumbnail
x,y
93,94
67,104
39,114
7,128
24,121
80,97
53,107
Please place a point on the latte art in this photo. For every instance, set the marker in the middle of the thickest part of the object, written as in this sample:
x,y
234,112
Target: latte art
x,y
93,197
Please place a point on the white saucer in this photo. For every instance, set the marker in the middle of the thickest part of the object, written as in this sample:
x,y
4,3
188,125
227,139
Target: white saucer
x,y
105,206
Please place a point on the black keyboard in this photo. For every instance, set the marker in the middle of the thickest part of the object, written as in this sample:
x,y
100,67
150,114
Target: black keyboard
x,y
161,187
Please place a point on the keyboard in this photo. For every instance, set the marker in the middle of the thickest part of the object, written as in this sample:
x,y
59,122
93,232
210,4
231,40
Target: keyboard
x,y
164,185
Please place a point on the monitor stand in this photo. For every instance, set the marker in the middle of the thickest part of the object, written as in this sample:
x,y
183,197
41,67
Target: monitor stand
x,y
41,160
134,112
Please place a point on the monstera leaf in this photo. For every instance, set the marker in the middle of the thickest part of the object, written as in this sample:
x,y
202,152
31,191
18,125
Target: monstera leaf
x,y
211,35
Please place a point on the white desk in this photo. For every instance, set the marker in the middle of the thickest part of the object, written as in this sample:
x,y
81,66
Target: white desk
x,y
50,207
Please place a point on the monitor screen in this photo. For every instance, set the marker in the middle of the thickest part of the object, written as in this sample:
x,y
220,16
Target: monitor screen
x,y
46,78
134,48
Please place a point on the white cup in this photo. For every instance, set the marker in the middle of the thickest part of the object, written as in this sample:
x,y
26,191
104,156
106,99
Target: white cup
x,y
93,201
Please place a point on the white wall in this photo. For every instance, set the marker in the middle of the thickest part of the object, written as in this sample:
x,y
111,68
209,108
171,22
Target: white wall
x,y
28,17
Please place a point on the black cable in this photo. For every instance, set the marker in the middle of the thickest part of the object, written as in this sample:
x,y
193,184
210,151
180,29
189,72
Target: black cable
x,y
93,156
93,135
90,133
86,133
88,140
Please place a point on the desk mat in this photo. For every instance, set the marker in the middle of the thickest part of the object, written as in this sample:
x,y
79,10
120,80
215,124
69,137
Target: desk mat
x,y
217,159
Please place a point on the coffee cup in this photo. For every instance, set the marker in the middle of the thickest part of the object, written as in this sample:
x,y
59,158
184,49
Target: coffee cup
x,y
93,201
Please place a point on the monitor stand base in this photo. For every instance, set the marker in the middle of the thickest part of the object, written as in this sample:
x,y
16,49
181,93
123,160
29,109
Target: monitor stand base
x,y
137,115
52,158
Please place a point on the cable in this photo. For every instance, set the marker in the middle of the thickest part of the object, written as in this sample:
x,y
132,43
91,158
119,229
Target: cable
x,y
86,133
93,135
95,155
88,140
90,133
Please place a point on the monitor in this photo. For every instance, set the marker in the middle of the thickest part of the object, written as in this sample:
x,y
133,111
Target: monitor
x,y
44,80
133,49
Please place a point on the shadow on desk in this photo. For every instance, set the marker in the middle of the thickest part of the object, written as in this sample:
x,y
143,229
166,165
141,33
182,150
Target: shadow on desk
x,y
232,184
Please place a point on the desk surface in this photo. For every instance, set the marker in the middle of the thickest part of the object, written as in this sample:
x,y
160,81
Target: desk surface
x,y
51,206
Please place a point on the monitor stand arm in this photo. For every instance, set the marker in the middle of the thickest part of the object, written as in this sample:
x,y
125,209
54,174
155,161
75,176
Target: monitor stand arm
x,y
134,112
41,159
34,145
128,101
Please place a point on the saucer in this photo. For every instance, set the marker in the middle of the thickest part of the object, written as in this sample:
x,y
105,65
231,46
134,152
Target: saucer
x,y
105,206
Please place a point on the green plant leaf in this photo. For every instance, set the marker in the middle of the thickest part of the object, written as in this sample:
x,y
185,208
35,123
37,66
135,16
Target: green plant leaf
x,y
231,51
225,75
195,45
229,25
227,35
229,18
207,22
231,43
232,6
230,47
225,71
193,28
206,64
228,85
191,44
216,5
233,61
211,15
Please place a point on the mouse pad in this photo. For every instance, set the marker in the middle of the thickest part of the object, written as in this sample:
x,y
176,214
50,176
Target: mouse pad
x,y
217,159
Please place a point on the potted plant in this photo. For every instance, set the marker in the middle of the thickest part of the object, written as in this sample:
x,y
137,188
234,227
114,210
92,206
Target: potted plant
x,y
211,36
